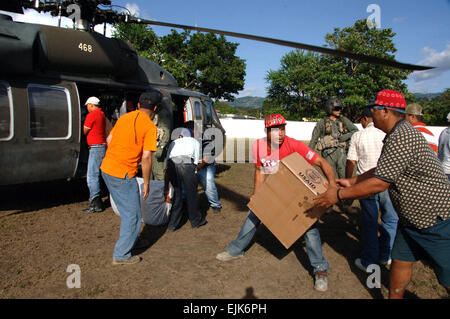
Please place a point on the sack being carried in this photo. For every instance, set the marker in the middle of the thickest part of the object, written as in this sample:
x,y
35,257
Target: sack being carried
x,y
155,210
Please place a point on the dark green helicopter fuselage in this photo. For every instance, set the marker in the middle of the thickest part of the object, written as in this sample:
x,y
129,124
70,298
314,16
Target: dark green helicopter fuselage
x,y
46,75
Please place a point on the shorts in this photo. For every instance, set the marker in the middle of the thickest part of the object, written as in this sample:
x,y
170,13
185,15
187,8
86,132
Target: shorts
x,y
432,243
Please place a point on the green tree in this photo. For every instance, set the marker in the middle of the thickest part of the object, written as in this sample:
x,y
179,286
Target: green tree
x,y
435,110
224,108
306,80
208,63
141,36
202,62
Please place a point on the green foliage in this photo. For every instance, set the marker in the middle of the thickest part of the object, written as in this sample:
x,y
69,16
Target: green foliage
x,y
140,36
435,109
203,62
225,108
250,102
306,80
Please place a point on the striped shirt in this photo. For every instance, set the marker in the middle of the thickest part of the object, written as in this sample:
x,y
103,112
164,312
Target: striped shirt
x,y
431,139
365,148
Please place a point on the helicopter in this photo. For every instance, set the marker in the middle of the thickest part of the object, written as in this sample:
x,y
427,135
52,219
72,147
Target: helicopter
x,y
48,72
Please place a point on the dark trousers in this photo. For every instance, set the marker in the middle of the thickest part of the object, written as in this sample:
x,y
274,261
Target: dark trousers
x,y
183,175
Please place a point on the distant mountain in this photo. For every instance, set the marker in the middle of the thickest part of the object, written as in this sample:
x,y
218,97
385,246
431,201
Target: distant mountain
x,y
247,102
428,96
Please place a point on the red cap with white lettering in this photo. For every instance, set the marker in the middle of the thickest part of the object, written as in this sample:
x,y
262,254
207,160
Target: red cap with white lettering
x,y
391,99
274,120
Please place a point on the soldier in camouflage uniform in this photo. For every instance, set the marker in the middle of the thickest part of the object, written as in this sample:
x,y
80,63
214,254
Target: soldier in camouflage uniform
x,y
162,118
331,136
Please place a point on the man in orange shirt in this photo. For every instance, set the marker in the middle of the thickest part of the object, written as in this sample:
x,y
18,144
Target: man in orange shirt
x,y
132,140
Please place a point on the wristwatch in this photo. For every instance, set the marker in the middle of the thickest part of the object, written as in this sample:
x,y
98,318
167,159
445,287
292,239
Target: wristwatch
x,y
337,194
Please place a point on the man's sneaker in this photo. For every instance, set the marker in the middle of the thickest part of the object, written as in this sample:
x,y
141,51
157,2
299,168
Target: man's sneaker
x,y
141,243
225,256
97,204
214,210
90,209
321,280
129,261
359,264
386,263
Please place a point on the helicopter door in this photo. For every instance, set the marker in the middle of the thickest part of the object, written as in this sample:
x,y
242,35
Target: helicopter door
x,y
193,110
54,129
45,141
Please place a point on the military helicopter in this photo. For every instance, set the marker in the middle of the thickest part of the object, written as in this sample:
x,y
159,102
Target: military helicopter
x,y
48,72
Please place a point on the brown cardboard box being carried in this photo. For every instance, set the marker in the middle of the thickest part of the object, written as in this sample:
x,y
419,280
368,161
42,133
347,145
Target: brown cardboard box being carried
x,y
284,202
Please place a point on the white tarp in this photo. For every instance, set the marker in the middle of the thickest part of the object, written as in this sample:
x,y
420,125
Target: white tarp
x,y
155,210
242,128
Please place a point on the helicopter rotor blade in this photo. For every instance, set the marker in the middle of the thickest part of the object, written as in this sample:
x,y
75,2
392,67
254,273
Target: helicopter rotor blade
x,y
344,54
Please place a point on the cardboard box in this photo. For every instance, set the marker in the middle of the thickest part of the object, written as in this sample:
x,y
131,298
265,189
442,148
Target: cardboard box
x,y
284,202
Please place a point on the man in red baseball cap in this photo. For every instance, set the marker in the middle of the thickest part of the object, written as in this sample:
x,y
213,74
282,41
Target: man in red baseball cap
x,y
267,153
418,188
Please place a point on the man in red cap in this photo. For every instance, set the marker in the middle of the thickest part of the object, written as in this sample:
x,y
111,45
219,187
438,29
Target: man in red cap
x,y
267,152
418,188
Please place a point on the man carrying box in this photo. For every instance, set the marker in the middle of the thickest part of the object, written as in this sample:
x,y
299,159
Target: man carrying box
x,y
418,188
267,153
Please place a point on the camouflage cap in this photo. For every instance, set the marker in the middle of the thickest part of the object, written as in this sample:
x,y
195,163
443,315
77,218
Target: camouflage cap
x,y
414,109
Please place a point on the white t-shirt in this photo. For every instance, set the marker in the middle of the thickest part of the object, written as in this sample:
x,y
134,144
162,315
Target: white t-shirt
x,y
365,148
187,147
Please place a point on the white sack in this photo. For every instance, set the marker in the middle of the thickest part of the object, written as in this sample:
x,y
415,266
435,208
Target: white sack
x,y
155,211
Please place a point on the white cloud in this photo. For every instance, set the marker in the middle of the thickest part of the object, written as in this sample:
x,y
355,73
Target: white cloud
x,y
439,60
425,86
33,16
134,9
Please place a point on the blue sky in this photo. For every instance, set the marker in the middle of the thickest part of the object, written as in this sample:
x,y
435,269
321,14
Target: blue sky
x,y
422,28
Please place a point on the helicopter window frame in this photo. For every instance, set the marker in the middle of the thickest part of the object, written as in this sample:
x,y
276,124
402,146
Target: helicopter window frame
x,y
209,112
11,113
68,105
198,111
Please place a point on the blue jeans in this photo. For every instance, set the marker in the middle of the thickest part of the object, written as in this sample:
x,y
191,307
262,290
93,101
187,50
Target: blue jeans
x,y
312,239
376,249
206,178
96,154
125,193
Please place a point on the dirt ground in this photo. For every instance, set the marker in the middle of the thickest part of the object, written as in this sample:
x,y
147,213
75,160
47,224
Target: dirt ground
x,y
43,231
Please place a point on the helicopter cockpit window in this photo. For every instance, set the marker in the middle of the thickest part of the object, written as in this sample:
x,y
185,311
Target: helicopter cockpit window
x,y
49,112
6,126
208,111
197,111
